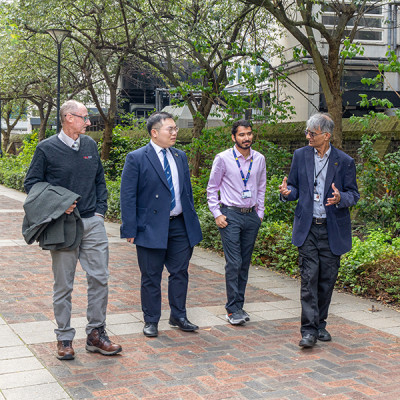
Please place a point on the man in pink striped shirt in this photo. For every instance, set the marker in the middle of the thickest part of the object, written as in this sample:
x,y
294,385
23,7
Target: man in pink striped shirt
x,y
238,175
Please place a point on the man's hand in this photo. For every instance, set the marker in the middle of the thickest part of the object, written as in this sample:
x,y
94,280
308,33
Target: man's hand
x,y
71,209
221,221
130,240
336,197
283,190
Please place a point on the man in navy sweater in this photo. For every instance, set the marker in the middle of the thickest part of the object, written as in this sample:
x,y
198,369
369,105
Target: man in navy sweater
x,y
71,160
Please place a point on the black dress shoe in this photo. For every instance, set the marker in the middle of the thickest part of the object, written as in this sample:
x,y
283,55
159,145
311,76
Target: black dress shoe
x,y
308,340
324,335
150,329
183,324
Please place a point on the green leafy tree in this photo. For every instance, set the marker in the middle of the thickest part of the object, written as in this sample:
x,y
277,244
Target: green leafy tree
x,y
302,20
94,53
194,45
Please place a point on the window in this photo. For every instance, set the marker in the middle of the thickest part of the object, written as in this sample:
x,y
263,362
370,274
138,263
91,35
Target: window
x,y
370,25
351,80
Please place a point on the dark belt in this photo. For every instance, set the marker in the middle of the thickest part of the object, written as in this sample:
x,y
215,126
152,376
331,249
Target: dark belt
x,y
175,216
319,221
243,210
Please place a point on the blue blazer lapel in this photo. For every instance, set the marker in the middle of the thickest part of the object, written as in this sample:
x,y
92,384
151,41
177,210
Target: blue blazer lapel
x,y
330,173
155,162
309,161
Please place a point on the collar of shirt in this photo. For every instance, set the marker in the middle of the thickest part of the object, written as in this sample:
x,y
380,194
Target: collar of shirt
x,y
240,155
67,140
325,156
158,149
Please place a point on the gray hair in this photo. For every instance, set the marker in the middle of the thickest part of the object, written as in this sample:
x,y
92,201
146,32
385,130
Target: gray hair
x,y
69,106
321,121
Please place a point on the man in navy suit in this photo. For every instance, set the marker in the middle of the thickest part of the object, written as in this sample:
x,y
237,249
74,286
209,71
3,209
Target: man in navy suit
x,y
158,216
323,180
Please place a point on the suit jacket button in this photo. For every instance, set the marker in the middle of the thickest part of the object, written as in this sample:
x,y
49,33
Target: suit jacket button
x,y
156,196
155,211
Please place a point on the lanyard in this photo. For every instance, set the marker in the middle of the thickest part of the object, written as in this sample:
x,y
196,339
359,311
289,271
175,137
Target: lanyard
x,y
315,170
240,168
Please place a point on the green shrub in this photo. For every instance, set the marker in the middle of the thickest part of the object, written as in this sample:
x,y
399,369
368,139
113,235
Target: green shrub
x,y
379,205
114,211
13,168
275,209
211,236
365,257
274,248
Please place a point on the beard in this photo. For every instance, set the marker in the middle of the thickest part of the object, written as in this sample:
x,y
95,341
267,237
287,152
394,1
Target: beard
x,y
244,145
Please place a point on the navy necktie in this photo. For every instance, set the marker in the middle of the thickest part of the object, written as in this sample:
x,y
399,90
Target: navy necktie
x,y
167,170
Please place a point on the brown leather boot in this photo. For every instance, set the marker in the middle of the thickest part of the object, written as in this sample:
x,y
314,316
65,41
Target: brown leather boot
x,y
98,342
65,350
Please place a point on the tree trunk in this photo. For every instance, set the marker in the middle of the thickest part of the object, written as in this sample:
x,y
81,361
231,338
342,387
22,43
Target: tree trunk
x,y
10,127
43,123
199,124
335,110
7,132
6,137
107,137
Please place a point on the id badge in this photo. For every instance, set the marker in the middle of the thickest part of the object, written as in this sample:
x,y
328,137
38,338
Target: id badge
x,y
316,196
246,194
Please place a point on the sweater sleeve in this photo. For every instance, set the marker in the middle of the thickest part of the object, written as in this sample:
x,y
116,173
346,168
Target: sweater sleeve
x,y
37,170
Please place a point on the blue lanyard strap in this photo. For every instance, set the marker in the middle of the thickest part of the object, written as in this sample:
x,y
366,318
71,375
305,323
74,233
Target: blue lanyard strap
x,y
240,168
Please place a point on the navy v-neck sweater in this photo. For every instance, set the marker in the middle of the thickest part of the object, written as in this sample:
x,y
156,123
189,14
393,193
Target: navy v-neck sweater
x,y
79,171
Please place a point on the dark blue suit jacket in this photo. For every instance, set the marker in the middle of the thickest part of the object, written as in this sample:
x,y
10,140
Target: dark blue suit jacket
x,y
146,199
342,172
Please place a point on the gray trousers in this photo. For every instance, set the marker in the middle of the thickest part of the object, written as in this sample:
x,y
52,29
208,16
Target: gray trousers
x,y
93,256
238,240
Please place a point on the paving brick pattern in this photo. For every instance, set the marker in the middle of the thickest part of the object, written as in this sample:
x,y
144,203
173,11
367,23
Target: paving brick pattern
x,y
9,204
11,225
260,360
22,302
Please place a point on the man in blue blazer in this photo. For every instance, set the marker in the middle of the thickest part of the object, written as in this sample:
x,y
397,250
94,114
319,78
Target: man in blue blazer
x,y
158,216
323,180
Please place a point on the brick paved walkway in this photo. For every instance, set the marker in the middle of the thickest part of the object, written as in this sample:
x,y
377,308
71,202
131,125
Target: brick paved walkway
x,y
260,360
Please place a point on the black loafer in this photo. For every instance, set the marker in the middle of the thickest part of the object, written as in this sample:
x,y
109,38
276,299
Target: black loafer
x,y
324,335
183,324
150,329
308,341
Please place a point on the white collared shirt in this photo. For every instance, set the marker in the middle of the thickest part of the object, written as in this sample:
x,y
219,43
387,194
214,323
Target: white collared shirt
x,y
175,176
68,140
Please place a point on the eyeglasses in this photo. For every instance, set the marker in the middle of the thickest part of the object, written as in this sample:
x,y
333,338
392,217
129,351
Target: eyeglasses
x,y
171,130
313,134
85,118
